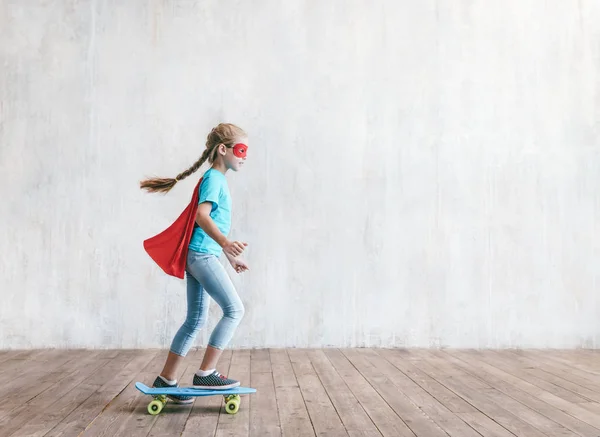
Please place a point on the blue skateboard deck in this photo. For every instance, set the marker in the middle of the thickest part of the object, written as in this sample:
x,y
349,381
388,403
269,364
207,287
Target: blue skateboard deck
x,y
230,395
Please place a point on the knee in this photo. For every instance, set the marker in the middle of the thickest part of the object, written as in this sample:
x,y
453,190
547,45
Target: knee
x,y
236,312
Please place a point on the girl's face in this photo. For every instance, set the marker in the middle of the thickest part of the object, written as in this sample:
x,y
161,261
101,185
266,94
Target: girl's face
x,y
235,156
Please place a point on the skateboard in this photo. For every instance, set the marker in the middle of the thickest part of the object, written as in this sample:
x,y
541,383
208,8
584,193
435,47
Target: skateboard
x,y
231,396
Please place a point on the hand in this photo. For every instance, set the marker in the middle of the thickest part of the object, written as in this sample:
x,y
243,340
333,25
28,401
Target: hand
x,y
238,264
234,248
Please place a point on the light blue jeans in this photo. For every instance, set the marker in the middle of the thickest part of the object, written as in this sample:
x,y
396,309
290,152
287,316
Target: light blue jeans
x,y
206,277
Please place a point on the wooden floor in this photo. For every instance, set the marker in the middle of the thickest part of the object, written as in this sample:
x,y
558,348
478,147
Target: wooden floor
x,y
329,392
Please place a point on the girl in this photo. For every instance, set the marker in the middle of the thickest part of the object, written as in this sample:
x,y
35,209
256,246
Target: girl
x,y
226,147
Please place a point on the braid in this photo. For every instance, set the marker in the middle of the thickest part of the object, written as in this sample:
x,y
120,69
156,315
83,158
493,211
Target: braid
x,y
224,133
155,185
193,168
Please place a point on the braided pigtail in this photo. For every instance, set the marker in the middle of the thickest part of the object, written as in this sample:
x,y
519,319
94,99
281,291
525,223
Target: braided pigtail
x,y
164,185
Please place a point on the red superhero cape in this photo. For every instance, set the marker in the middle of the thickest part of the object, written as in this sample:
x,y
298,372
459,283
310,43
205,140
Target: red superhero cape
x,y
169,249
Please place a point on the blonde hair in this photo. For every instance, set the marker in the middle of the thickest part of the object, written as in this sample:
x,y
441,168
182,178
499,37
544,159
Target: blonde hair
x,y
224,133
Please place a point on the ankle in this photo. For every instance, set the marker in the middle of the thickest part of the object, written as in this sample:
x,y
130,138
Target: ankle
x,y
202,372
168,378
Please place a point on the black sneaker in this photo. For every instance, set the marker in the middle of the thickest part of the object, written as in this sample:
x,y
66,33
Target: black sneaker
x,y
214,381
160,383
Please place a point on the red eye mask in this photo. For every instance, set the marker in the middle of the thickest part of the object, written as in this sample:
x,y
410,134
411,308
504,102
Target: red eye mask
x,y
239,150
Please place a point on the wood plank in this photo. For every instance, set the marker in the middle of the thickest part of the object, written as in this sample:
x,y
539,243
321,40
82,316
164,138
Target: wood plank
x,y
421,399
293,414
588,357
572,375
594,407
506,362
85,414
384,417
322,412
264,416
568,390
411,368
22,359
523,391
26,387
572,360
356,421
468,387
44,421
416,419
231,425
463,410
18,371
484,425
575,410
531,372
593,355
204,415
115,415
9,355
42,398
531,416
439,369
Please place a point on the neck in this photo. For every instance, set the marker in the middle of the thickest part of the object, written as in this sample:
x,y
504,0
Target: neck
x,y
219,166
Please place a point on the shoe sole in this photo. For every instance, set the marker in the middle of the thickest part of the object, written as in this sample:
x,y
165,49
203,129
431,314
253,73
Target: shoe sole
x,y
175,400
179,401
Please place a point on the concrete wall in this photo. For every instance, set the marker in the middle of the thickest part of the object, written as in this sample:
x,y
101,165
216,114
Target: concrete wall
x,y
421,173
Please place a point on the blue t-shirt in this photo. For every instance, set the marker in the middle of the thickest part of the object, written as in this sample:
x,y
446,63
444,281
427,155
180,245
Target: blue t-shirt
x,y
213,189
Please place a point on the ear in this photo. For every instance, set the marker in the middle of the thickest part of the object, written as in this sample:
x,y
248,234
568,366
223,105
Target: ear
x,y
222,149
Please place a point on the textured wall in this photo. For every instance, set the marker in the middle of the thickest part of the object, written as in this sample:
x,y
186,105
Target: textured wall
x,y
421,173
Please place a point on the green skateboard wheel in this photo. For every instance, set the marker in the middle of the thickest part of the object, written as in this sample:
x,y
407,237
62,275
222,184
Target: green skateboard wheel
x,y
232,406
155,407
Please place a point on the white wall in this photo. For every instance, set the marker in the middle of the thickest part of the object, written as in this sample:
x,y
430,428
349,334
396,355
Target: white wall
x,y
421,173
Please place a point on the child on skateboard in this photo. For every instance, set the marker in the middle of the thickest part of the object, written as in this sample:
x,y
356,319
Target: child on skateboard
x,y
206,277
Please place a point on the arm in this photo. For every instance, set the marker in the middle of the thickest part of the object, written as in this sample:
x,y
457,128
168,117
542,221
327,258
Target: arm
x,y
208,225
231,248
